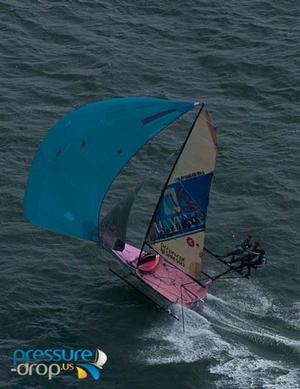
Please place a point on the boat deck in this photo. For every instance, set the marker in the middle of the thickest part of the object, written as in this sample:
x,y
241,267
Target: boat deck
x,y
166,279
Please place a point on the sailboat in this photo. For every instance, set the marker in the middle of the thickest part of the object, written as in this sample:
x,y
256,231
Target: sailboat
x,y
79,160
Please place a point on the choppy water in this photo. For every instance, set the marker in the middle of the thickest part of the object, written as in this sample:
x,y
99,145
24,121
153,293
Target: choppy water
x,y
242,58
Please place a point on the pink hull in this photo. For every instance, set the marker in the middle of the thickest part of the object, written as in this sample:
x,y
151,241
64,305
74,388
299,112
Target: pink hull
x,y
167,280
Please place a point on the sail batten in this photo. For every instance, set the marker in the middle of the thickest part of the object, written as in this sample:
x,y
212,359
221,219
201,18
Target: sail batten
x,y
177,228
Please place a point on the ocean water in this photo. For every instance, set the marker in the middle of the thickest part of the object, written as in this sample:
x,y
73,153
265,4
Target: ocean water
x,y
242,58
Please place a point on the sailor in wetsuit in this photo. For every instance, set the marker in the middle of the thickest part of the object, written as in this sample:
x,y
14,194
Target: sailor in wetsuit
x,y
240,249
253,260
249,253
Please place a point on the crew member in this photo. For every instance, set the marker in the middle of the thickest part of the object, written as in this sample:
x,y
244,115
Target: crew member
x,y
260,259
240,249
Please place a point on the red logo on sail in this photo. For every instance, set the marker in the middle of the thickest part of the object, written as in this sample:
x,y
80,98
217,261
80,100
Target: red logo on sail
x,y
190,241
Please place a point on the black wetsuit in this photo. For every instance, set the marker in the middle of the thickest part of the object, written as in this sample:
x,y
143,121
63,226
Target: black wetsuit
x,y
252,259
245,245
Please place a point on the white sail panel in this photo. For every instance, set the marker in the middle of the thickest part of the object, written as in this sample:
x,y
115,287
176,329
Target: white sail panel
x,y
177,228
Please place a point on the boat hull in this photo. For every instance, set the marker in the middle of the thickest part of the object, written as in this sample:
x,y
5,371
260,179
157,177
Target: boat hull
x,y
167,280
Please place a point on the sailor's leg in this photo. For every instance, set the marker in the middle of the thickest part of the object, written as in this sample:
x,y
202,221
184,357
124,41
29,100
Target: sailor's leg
x,y
234,252
249,270
234,259
242,266
239,269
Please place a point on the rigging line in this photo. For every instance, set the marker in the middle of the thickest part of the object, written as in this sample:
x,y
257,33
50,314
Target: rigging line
x,y
214,254
233,277
141,278
230,266
162,278
166,290
182,311
188,291
170,175
175,268
222,274
145,295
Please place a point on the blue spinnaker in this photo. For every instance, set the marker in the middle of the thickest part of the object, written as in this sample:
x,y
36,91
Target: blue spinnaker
x,y
81,156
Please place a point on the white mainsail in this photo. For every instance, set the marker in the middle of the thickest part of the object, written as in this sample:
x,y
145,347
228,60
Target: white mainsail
x,y
177,229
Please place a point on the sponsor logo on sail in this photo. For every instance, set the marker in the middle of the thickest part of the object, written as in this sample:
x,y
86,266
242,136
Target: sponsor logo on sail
x,y
165,250
190,241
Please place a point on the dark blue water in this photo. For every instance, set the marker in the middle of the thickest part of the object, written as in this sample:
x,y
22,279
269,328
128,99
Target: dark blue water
x,y
242,59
